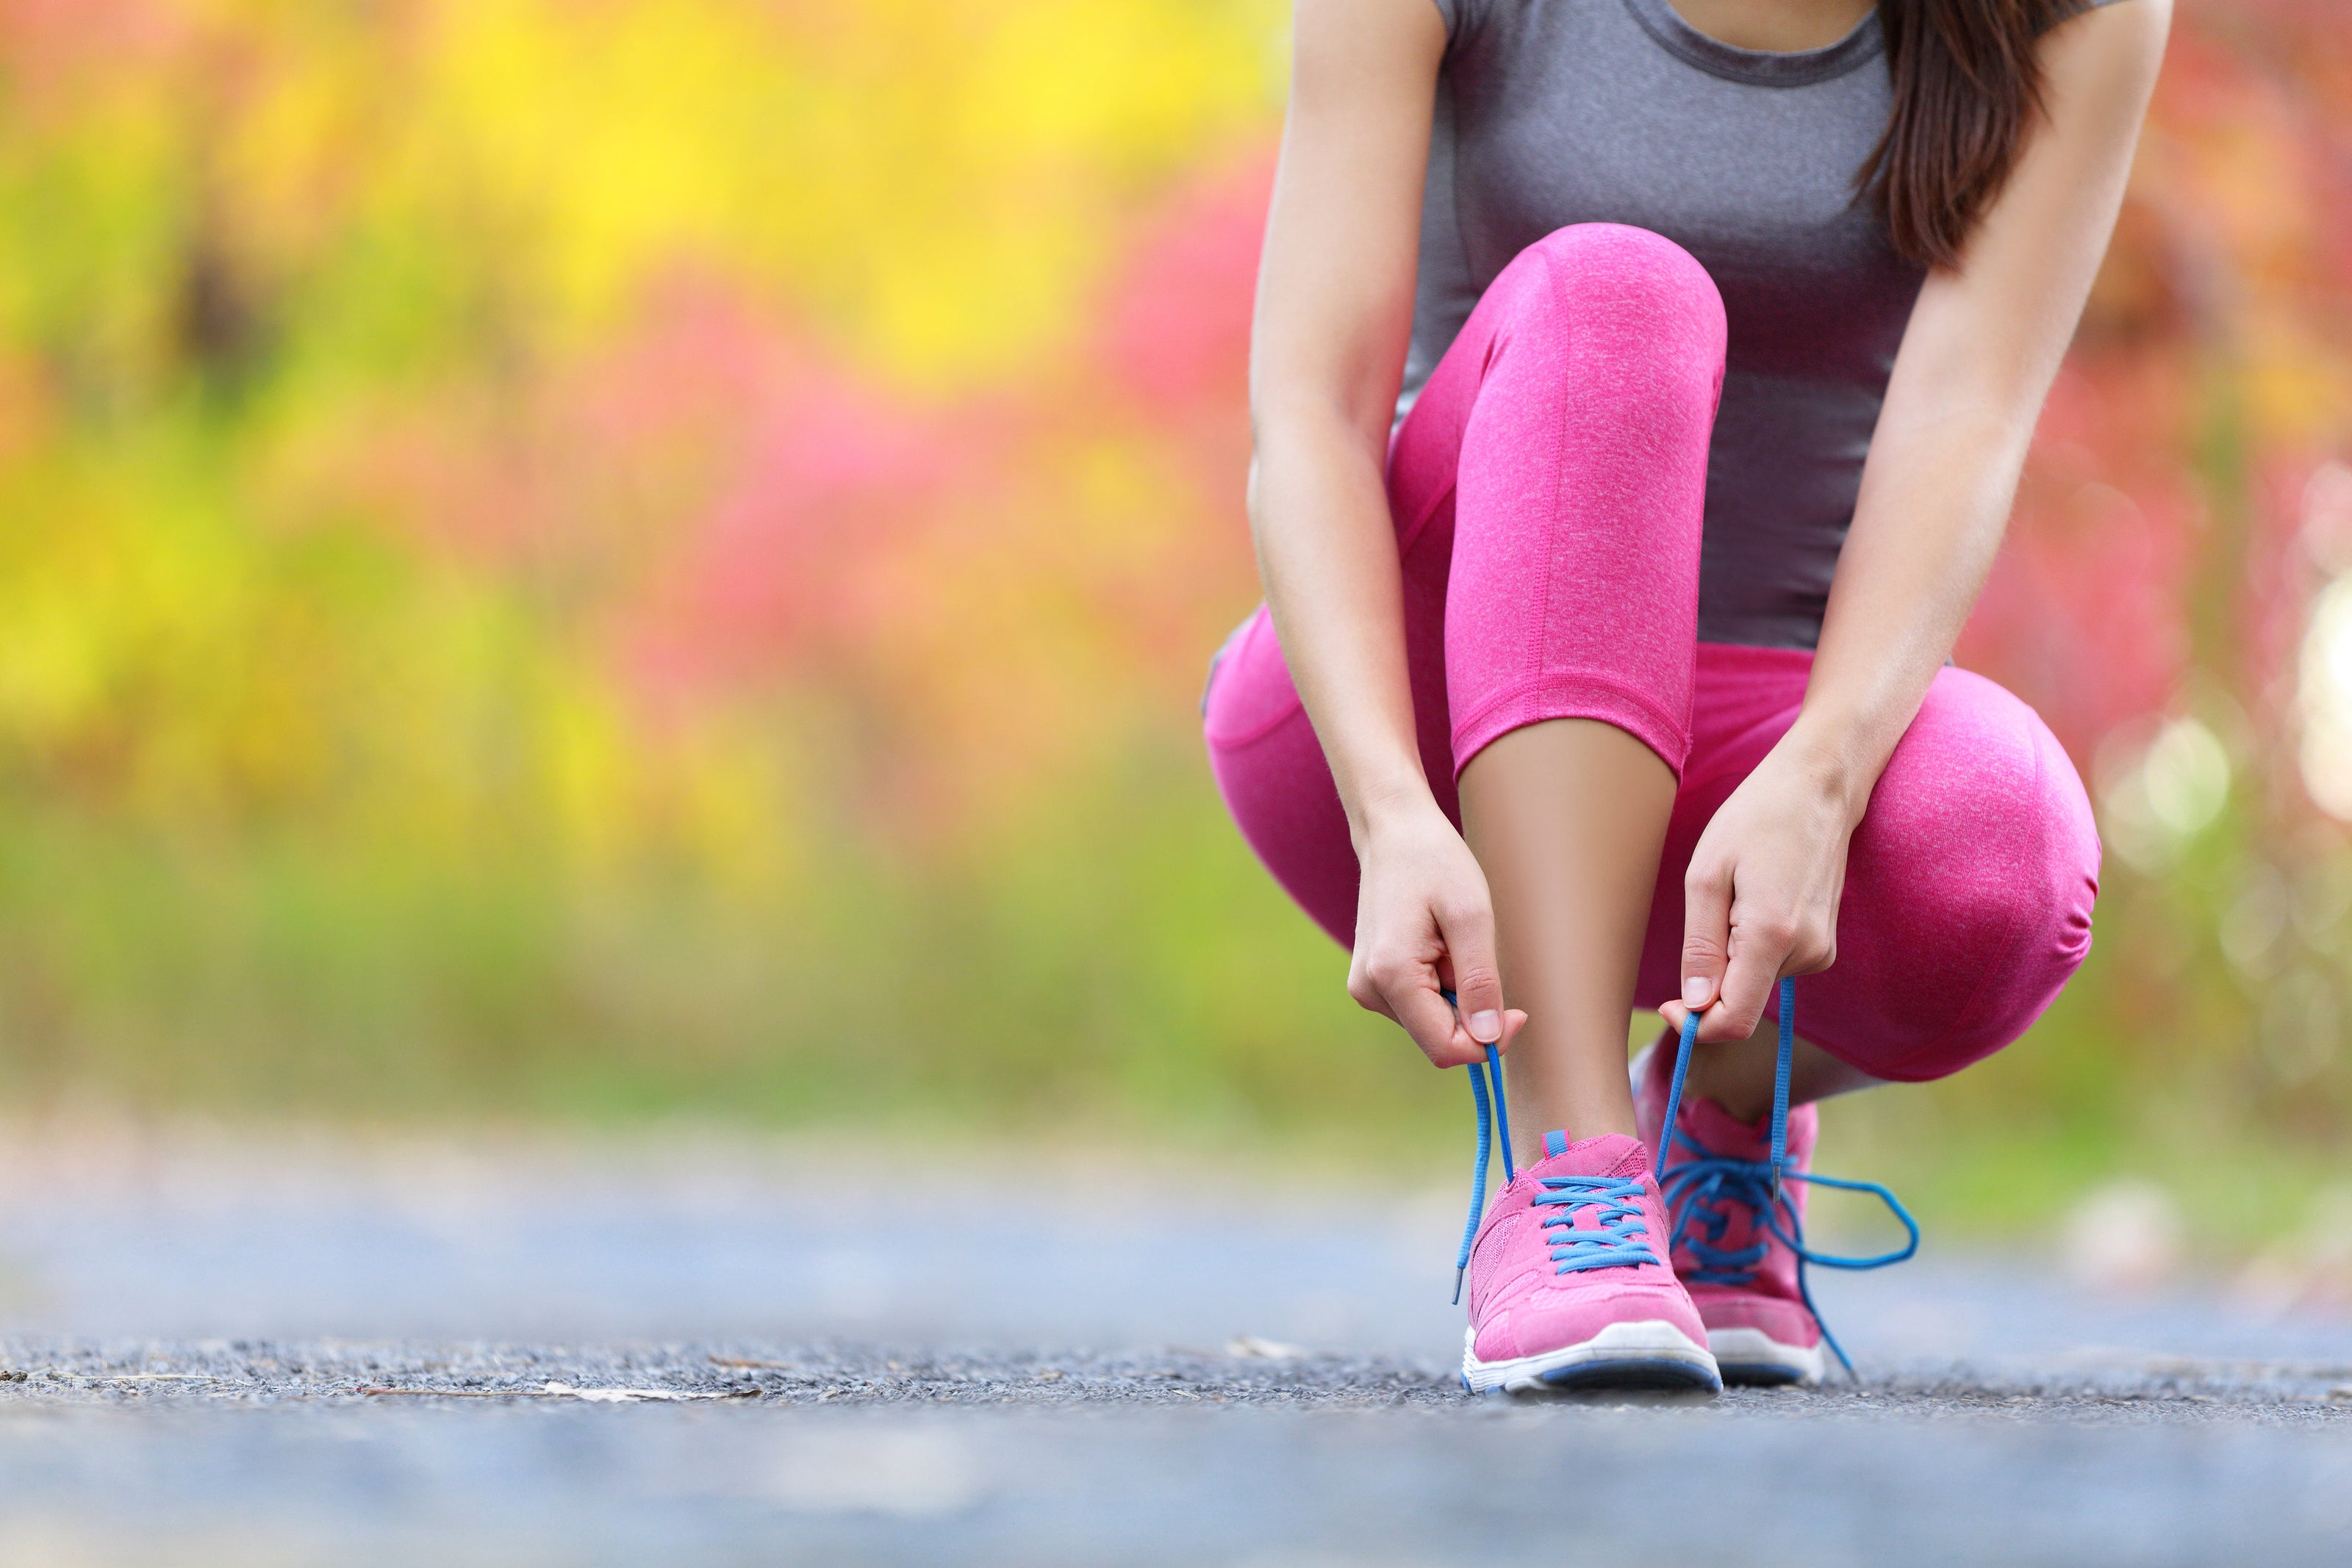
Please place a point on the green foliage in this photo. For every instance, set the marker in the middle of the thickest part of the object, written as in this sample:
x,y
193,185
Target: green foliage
x,y
599,561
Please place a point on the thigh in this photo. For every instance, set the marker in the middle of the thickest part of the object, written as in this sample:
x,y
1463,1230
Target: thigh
x,y
1969,887
1574,408
1569,425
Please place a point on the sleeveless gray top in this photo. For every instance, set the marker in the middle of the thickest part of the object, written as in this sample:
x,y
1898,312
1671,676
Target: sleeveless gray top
x,y
1552,112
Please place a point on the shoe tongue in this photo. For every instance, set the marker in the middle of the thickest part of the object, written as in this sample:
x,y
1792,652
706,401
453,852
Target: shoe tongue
x,y
1724,1133
1610,1154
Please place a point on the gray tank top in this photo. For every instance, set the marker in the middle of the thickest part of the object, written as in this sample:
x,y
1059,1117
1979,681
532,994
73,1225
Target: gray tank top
x,y
1552,112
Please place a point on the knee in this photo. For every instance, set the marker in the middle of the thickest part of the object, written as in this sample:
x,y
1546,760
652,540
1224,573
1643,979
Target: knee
x,y
1993,822
1617,274
1999,861
2020,921
2057,884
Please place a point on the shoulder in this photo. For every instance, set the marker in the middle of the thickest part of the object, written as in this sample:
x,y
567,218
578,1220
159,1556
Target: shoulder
x,y
2113,18
1346,48
1467,19
2112,41
1462,17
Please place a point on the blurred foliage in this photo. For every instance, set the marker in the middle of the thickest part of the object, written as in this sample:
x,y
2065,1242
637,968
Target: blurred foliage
x,y
2185,503
589,556
600,556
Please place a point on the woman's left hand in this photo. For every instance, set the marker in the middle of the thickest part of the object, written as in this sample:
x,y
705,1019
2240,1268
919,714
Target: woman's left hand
x,y
1760,898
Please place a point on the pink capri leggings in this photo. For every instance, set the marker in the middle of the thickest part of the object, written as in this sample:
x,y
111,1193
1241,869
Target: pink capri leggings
x,y
1547,491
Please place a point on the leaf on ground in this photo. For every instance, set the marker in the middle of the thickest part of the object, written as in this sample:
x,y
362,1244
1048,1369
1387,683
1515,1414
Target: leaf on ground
x,y
629,1395
1249,1347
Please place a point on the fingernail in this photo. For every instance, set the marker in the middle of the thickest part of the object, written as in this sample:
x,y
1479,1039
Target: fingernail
x,y
1486,1028
1694,991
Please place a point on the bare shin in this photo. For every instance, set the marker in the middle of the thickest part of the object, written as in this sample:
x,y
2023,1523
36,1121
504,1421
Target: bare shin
x,y
1567,818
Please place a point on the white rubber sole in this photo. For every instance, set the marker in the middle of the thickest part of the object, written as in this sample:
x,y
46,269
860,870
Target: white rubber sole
x,y
1754,1357
1622,1356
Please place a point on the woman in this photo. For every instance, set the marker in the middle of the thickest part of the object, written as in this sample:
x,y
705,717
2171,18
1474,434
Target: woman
x,y
1639,389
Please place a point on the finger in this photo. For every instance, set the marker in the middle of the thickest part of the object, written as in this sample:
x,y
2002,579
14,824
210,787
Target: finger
x,y
1514,1019
1431,1022
1711,1026
1468,933
1364,992
1759,948
1707,934
1464,1049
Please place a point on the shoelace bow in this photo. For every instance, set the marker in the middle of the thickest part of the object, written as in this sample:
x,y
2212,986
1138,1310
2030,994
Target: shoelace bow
x,y
1699,1189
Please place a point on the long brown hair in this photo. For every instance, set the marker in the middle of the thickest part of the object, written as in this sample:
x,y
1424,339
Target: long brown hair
x,y
1968,85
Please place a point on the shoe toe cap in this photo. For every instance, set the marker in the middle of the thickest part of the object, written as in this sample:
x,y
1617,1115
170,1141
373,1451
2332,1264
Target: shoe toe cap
x,y
1783,1321
1551,1319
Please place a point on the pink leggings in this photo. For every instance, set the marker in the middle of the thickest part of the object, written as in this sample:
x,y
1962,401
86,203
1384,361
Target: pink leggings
x,y
1547,490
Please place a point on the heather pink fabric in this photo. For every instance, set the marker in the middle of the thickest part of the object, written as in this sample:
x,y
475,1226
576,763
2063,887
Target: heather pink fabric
x,y
1772,1302
1547,490
1520,1305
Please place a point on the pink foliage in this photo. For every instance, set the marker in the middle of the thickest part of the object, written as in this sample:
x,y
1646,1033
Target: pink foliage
x,y
988,581
56,41
2154,531
811,477
1176,324
2082,616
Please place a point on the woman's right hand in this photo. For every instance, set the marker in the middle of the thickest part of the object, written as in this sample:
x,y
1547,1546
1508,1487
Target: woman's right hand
x,y
1425,924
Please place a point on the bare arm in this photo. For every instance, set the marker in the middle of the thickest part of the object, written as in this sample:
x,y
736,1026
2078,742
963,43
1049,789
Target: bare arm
x,y
1983,343
1327,351
1982,346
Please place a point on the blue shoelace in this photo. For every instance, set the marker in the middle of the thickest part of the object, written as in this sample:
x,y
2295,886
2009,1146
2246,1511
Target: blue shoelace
x,y
1618,1238
1480,1072
1698,1191
1704,1189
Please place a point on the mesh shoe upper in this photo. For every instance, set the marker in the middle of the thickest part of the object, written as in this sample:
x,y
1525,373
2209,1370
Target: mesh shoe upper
x,y
1764,1295
1545,1273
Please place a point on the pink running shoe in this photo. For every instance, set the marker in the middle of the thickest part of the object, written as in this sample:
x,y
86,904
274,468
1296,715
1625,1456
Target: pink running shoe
x,y
1735,1192
1568,1281
1742,1278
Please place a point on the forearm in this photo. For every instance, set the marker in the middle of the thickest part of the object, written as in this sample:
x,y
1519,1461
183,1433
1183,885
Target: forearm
x,y
1327,348
1935,502
1326,553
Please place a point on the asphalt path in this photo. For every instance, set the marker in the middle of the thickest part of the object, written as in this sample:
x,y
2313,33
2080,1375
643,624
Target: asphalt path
x,y
222,1347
